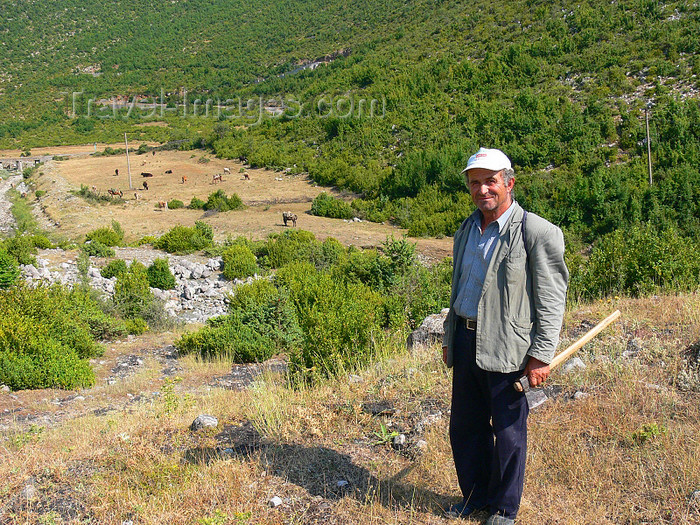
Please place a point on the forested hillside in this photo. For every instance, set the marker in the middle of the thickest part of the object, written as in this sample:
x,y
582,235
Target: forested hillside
x,y
561,87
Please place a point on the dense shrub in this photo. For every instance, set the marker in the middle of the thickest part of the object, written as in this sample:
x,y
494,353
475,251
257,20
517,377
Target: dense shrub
x,y
328,254
175,204
160,276
638,261
47,334
97,249
289,246
107,236
220,202
261,322
114,268
132,295
325,205
22,248
339,320
9,271
196,204
239,262
183,239
42,242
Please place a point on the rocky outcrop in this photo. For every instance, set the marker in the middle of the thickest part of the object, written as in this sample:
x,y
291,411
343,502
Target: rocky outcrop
x,y
429,332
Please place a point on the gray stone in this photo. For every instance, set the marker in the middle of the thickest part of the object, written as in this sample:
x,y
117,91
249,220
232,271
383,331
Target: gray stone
x,y
573,365
342,483
429,332
188,293
29,492
421,445
581,395
399,441
5,388
695,500
204,421
354,379
275,502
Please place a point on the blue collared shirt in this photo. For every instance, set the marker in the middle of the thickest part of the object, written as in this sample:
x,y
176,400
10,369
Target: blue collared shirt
x,y
475,262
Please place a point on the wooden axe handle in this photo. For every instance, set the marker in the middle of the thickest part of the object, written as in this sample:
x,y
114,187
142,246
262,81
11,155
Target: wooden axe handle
x,y
523,384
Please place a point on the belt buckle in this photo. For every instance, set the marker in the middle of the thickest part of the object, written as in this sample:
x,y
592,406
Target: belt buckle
x,y
469,324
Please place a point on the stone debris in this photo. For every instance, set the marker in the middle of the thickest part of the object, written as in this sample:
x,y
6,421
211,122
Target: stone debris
x,y
275,502
204,421
573,365
200,293
29,492
429,332
342,483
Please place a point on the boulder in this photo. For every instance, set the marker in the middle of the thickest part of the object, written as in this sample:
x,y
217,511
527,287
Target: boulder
x,y
204,421
429,332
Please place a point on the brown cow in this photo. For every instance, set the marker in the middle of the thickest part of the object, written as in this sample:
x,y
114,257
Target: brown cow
x,y
184,179
289,216
168,171
146,174
163,205
217,177
145,185
246,176
116,172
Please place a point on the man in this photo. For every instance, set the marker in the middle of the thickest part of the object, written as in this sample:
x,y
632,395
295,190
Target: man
x,y
506,308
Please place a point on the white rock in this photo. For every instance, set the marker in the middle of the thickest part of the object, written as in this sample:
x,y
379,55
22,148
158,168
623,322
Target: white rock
x,y
421,445
573,365
354,378
204,421
275,502
28,492
399,441
581,395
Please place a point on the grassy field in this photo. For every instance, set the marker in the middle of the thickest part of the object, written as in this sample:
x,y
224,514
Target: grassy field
x,y
623,450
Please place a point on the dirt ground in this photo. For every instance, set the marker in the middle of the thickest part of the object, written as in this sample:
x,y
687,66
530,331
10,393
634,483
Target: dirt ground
x,y
267,194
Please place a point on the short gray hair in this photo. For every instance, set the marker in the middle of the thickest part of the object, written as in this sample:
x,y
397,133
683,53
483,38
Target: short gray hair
x,y
508,174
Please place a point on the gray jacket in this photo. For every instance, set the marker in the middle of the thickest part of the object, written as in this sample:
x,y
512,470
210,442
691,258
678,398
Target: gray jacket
x,y
522,301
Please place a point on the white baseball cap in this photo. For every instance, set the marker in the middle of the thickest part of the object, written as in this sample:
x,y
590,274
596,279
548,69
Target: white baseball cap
x,y
490,159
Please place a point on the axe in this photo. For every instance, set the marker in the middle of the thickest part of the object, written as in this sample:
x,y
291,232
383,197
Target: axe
x,y
523,385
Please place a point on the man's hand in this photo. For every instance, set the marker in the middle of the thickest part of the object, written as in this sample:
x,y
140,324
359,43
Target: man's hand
x,y
536,371
444,354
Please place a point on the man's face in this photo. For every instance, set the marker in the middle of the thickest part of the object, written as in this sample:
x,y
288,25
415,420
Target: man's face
x,y
489,193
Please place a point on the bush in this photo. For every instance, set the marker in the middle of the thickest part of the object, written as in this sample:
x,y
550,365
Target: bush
x,y
220,202
97,249
196,204
39,193
160,276
239,262
175,204
134,300
9,271
182,239
339,321
325,205
22,248
114,268
289,246
107,236
42,242
261,322
328,254
47,334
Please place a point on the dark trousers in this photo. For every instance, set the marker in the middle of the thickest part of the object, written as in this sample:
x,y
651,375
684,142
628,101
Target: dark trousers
x,y
488,431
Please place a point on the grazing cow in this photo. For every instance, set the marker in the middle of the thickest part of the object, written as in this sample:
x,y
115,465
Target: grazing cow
x,y
146,174
115,193
217,177
94,189
116,172
168,171
145,185
289,216
227,171
184,179
246,176
163,205
136,196
154,152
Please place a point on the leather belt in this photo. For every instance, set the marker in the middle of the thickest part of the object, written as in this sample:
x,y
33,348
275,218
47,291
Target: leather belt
x,y
468,323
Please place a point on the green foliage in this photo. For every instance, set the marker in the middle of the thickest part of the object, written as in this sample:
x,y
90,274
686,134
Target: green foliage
x,y
42,242
183,239
40,193
218,201
196,204
239,262
47,334
132,296
95,196
261,322
113,236
289,246
97,249
638,261
175,204
22,248
114,268
339,320
160,276
9,271
325,205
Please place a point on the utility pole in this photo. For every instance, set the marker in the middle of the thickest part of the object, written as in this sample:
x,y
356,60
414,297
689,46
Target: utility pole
x,y
646,115
128,164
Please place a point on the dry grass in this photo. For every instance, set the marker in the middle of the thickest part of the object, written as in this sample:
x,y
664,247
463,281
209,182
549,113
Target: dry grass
x,y
628,453
267,194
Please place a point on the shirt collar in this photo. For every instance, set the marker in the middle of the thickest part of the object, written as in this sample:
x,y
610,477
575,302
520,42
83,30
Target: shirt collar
x,y
503,219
